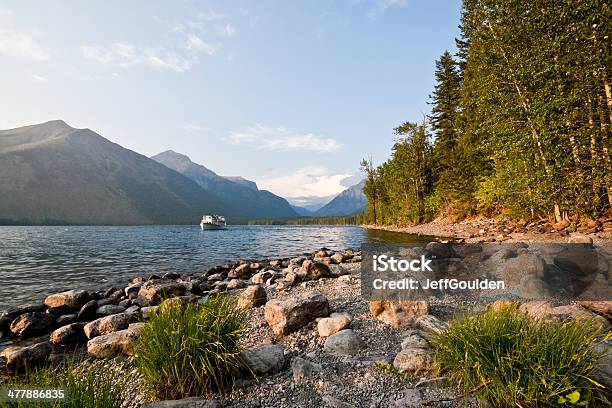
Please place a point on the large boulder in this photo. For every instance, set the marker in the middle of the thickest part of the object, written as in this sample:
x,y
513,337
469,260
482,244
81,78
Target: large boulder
x,y
73,299
345,342
337,271
68,336
286,316
266,359
243,271
236,284
32,324
10,314
414,339
88,311
544,310
441,250
414,361
252,296
602,308
333,324
314,270
28,357
122,342
430,325
106,325
398,314
66,319
261,277
132,290
532,287
338,257
158,289
108,310
515,269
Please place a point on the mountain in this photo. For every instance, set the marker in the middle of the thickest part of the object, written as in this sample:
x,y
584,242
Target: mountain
x,y
55,174
241,180
236,191
350,201
302,211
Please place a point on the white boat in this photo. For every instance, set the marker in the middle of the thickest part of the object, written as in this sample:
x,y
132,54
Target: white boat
x,y
212,222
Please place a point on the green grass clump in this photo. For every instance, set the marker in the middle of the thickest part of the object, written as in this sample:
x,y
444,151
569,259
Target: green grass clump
x,y
514,360
189,349
387,367
84,387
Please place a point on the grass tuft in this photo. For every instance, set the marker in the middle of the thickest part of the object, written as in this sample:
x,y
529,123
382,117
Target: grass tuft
x,y
85,387
189,349
513,360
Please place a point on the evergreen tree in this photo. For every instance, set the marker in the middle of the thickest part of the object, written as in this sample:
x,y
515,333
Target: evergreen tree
x,y
522,119
445,108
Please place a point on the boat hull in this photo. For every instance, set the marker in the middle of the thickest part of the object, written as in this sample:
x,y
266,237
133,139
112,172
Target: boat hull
x,y
211,227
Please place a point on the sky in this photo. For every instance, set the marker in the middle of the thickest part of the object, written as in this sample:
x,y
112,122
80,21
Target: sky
x,y
290,94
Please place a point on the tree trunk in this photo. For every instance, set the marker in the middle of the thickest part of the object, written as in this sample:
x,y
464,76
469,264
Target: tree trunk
x,y
575,149
593,146
608,95
558,216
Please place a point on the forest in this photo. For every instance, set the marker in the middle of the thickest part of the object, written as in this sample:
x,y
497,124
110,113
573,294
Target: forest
x,y
356,219
519,125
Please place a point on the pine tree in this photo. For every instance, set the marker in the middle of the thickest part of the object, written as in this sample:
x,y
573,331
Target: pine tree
x,y
522,118
445,109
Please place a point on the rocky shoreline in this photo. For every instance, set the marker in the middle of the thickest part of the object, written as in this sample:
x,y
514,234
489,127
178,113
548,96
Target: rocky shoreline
x,y
311,338
498,230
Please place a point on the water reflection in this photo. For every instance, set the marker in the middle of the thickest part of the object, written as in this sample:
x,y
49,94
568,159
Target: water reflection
x,y
391,237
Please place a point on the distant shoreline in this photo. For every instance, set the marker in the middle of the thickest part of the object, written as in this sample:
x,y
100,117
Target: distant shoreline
x,y
246,224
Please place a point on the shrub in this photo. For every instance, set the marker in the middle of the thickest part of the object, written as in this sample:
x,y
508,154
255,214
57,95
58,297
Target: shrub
x,y
190,349
513,360
84,387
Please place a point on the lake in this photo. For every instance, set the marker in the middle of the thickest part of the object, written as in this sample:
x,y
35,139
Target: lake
x,y
35,261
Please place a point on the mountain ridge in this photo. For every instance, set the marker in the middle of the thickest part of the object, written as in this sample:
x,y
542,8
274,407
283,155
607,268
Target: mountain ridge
x,y
348,202
55,173
241,192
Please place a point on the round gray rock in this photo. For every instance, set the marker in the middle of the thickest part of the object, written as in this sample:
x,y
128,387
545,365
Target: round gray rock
x,y
345,342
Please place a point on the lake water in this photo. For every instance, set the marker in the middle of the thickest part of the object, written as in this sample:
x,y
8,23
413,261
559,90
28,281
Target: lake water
x,y
35,261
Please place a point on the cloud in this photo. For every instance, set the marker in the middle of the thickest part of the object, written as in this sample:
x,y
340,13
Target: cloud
x,y
178,59
17,43
226,30
97,54
179,55
210,16
171,62
39,78
177,28
281,139
307,182
381,6
193,128
195,43
352,180
311,203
